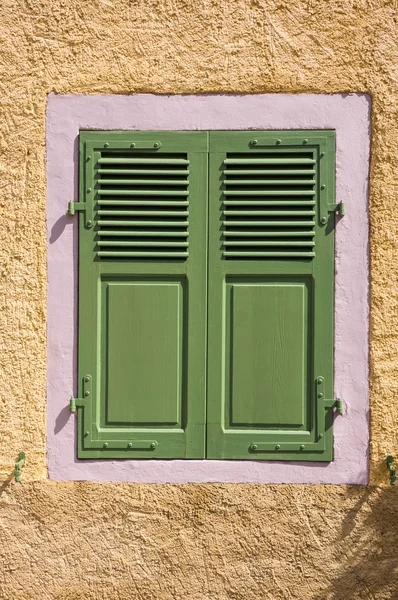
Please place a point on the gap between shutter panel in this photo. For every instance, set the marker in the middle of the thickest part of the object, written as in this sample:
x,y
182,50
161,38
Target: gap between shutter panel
x,y
142,206
269,205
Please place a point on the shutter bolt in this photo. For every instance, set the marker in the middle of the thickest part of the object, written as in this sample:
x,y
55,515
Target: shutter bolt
x,y
277,447
278,142
106,145
132,145
323,187
129,445
254,142
302,447
88,190
305,141
86,394
320,395
152,446
105,445
323,220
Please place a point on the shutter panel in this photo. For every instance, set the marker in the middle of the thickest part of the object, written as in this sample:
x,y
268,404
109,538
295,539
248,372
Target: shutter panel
x,y
142,294
271,283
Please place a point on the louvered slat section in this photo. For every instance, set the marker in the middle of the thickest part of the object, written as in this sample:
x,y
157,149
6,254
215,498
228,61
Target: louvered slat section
x,y
142,206
269,205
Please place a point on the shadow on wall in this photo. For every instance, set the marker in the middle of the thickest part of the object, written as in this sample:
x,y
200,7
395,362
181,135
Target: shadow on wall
x,y
366,555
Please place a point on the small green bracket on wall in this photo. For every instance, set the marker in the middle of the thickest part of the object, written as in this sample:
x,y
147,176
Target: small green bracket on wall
x,y
393,475
18,467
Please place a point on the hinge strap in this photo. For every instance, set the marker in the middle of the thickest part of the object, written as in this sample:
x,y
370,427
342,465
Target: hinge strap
x,y
79,402
336,403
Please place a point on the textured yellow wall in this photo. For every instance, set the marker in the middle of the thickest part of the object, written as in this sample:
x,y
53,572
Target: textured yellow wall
x,y
103,541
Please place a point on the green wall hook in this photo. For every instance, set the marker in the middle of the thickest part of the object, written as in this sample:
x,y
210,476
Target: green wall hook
x,y
18,466
393,475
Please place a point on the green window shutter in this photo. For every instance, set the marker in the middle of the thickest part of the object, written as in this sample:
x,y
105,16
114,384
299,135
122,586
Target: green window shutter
x,y
270,302
142,294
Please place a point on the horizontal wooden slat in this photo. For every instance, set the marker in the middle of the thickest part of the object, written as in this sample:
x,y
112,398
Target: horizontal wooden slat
x,y
170,172
268,213
143,161
268,193
269,254
269,223
307,243
269,161
272,233
142,192
137,233
144,223
160,182
298,202
165,203
253,172
144,254
143,213
145,244
262,182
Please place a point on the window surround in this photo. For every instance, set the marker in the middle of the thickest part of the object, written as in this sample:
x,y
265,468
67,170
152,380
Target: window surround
x,y
349,115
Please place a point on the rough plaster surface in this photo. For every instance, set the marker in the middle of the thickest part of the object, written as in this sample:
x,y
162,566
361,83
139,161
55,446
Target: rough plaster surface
x,y
75,541
349,115
172,46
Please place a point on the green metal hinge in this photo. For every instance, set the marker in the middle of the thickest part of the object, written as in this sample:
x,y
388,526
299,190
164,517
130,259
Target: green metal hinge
x,y
393,474
18,467
339,208
79,402
88,208
336,403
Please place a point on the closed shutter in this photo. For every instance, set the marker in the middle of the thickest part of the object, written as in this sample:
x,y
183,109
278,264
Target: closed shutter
x,y
270,303
142,294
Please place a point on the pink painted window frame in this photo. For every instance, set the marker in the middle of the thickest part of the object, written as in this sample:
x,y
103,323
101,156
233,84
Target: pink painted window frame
x,y
349,115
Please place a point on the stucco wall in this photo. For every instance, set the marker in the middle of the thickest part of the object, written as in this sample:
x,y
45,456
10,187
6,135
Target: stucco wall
x,y
92,541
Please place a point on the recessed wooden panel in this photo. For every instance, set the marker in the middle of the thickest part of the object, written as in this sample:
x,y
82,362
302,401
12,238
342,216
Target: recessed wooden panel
x,y
268,354
144,349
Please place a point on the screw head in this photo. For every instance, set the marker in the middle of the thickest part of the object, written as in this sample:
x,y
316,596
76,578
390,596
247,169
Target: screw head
x,y
129,445
319,380
88,158
88,190
86,433
105,445
321,435
278,142
132,145
156,145
254,142
253,446
322,154
323,220
87,379
323,187
86,394
277,447
305,141
106,145
152,446
302,447
89,223
320,395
